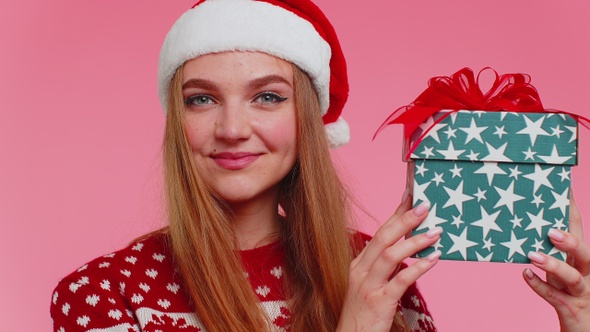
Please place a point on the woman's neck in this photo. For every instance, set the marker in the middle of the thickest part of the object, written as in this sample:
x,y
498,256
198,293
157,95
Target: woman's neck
x,y
256,222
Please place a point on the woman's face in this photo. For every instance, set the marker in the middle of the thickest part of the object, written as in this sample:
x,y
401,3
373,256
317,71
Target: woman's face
x,y
240,122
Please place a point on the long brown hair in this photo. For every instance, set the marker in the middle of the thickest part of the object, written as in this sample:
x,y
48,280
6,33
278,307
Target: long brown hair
x,y
314,231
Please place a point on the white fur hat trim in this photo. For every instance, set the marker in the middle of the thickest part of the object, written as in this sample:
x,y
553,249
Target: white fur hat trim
x,y
246,25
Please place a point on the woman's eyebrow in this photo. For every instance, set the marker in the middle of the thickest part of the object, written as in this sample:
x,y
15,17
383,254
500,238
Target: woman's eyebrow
x,y
265,80
199,83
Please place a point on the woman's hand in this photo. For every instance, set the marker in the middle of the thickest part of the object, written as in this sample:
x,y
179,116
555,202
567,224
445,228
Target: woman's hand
x,y
375,285
567,287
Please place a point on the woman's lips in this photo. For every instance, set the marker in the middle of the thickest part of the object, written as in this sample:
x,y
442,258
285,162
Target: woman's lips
x,y
234,160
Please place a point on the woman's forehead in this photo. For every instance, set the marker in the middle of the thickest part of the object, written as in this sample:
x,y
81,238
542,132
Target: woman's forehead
x,y
235,65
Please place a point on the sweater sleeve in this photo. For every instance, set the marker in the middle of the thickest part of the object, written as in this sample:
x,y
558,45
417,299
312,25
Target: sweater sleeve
x,y
415,311
82,302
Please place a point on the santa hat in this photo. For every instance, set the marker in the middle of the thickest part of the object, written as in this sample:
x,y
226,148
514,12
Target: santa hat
x,y
293,30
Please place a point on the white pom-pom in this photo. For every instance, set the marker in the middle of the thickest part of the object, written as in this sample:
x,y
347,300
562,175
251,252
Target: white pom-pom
x,y
338,133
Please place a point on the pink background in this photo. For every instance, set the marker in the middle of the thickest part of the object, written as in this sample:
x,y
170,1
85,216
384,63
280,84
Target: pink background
x,y
81,126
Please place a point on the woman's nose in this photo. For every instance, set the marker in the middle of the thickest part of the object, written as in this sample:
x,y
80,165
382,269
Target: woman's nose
x,y
233,123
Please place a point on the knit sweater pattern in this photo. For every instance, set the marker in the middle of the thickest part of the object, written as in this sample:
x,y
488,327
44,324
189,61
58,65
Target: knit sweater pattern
x,y
138,289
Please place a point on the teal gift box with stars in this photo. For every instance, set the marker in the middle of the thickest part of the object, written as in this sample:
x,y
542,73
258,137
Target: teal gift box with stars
x,y
497,182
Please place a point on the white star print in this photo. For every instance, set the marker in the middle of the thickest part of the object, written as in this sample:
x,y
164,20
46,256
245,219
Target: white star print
x,y
481,194
487,258
428,152
514,245
538,245
496,154
557,131
516,222
457,221
554,157
514,172
438,245
473,132
487,222
528,154
507,197
537,200
564,175
533,129
434,128
419,191
540,177
561,201
456,171
559,223
461,244
488,244
457,197
489,169
574,130
450,132
432,220
420,169
500,131
450,153
537,222
473,155
438,178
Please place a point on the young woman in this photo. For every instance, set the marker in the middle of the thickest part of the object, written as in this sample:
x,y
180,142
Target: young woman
x,y
259,234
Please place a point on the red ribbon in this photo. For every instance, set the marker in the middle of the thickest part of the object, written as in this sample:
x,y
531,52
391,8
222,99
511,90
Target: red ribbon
x,y
461,91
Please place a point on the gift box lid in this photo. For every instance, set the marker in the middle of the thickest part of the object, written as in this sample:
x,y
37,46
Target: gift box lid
x,y
543,137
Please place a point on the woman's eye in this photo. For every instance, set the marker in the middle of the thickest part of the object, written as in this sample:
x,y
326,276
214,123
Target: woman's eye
x,y
269,98
199,100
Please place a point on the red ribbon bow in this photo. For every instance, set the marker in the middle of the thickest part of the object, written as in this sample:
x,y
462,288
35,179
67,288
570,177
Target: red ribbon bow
x,y
461,91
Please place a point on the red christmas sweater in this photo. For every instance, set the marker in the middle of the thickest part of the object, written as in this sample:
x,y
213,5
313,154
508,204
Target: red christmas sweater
x,y
138,289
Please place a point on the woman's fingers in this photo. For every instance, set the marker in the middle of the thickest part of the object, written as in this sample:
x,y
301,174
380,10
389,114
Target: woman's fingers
x,y
388,261
568,276
575,224
556,298
578,251
393,230
398,285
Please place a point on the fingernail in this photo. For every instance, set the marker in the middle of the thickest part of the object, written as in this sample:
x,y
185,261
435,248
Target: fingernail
x,y
537,258
529,274
556,235
406,195
434,232
434,256
422,208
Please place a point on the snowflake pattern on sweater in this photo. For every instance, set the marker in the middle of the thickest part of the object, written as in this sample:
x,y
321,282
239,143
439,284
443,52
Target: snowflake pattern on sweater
x,y
138,289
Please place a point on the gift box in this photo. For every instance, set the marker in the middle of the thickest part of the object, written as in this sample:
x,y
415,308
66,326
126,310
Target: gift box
x,y
496,181
495,167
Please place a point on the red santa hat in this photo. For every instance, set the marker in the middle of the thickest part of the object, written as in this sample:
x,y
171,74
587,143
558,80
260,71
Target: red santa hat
x,y
293,30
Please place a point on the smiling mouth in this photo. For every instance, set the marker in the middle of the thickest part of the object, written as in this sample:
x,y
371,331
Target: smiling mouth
x,y
235,161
